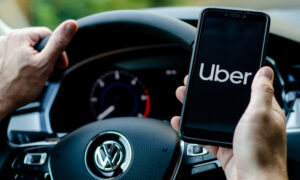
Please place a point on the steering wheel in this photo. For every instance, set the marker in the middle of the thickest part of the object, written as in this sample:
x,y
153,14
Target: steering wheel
x,y
119,148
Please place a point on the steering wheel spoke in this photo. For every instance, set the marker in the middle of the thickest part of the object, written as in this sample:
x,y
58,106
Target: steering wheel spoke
x,y
27,161
196,160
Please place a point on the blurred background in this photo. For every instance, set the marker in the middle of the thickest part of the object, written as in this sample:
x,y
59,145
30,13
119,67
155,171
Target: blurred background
x,y
22,13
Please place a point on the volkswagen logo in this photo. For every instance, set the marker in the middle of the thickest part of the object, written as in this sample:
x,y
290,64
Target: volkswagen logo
x,y
109,156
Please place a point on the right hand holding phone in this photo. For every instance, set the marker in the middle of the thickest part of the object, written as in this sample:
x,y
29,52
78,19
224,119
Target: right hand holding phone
x,y
259,144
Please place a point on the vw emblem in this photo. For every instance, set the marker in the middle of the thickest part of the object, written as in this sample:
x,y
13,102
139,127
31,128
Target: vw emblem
x,y
109,156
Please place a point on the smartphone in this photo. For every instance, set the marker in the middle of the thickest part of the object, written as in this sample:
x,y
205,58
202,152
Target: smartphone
x,y
228,51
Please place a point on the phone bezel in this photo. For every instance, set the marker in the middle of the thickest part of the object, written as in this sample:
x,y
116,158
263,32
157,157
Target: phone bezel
x,y
212,137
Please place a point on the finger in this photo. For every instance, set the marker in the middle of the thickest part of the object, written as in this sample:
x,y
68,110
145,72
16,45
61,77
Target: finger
x,y
211,149
58,41
224,155
185,79
63,61
180,91
36,34
262,89
175,122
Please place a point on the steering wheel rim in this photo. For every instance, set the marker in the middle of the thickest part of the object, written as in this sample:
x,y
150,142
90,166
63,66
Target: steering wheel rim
x,y
159,25
136,21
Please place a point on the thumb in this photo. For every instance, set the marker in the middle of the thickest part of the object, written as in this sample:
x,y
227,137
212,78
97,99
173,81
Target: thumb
x,y
58,41
262,89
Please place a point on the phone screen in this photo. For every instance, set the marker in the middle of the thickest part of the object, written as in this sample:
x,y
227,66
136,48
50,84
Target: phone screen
x,y
227,54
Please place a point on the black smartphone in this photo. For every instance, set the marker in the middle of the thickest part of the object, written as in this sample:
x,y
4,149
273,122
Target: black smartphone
x,y
228,51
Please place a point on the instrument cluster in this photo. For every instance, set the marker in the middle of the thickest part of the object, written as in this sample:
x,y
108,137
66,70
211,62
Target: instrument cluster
x,y
118,93
139,83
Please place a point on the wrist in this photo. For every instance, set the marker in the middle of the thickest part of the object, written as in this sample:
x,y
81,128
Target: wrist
x,y
270,175
259,173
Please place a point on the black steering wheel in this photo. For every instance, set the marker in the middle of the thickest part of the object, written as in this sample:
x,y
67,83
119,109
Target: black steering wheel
x,y
119,148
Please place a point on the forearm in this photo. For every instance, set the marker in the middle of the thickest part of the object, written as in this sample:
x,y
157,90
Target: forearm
x,y
270,175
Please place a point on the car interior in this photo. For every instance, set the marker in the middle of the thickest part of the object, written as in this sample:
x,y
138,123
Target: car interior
x,y
125,66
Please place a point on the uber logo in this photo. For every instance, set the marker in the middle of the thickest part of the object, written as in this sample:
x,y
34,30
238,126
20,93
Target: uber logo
x,y
236,77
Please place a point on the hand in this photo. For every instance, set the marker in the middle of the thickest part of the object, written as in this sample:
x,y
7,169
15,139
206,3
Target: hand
x,y
23,70
259,143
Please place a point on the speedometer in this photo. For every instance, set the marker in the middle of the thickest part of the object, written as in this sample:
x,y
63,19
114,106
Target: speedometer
x,y
119,93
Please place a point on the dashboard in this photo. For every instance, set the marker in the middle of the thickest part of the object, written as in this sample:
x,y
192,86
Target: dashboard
x,y
139,81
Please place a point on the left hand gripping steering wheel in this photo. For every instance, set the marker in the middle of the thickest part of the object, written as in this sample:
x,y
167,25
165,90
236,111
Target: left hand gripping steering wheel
x,y
118,148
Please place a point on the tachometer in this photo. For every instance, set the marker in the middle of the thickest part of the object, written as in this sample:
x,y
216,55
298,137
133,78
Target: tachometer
x,y
118,93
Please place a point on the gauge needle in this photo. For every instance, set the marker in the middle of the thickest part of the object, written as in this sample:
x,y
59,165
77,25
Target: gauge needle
x,y
105,113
